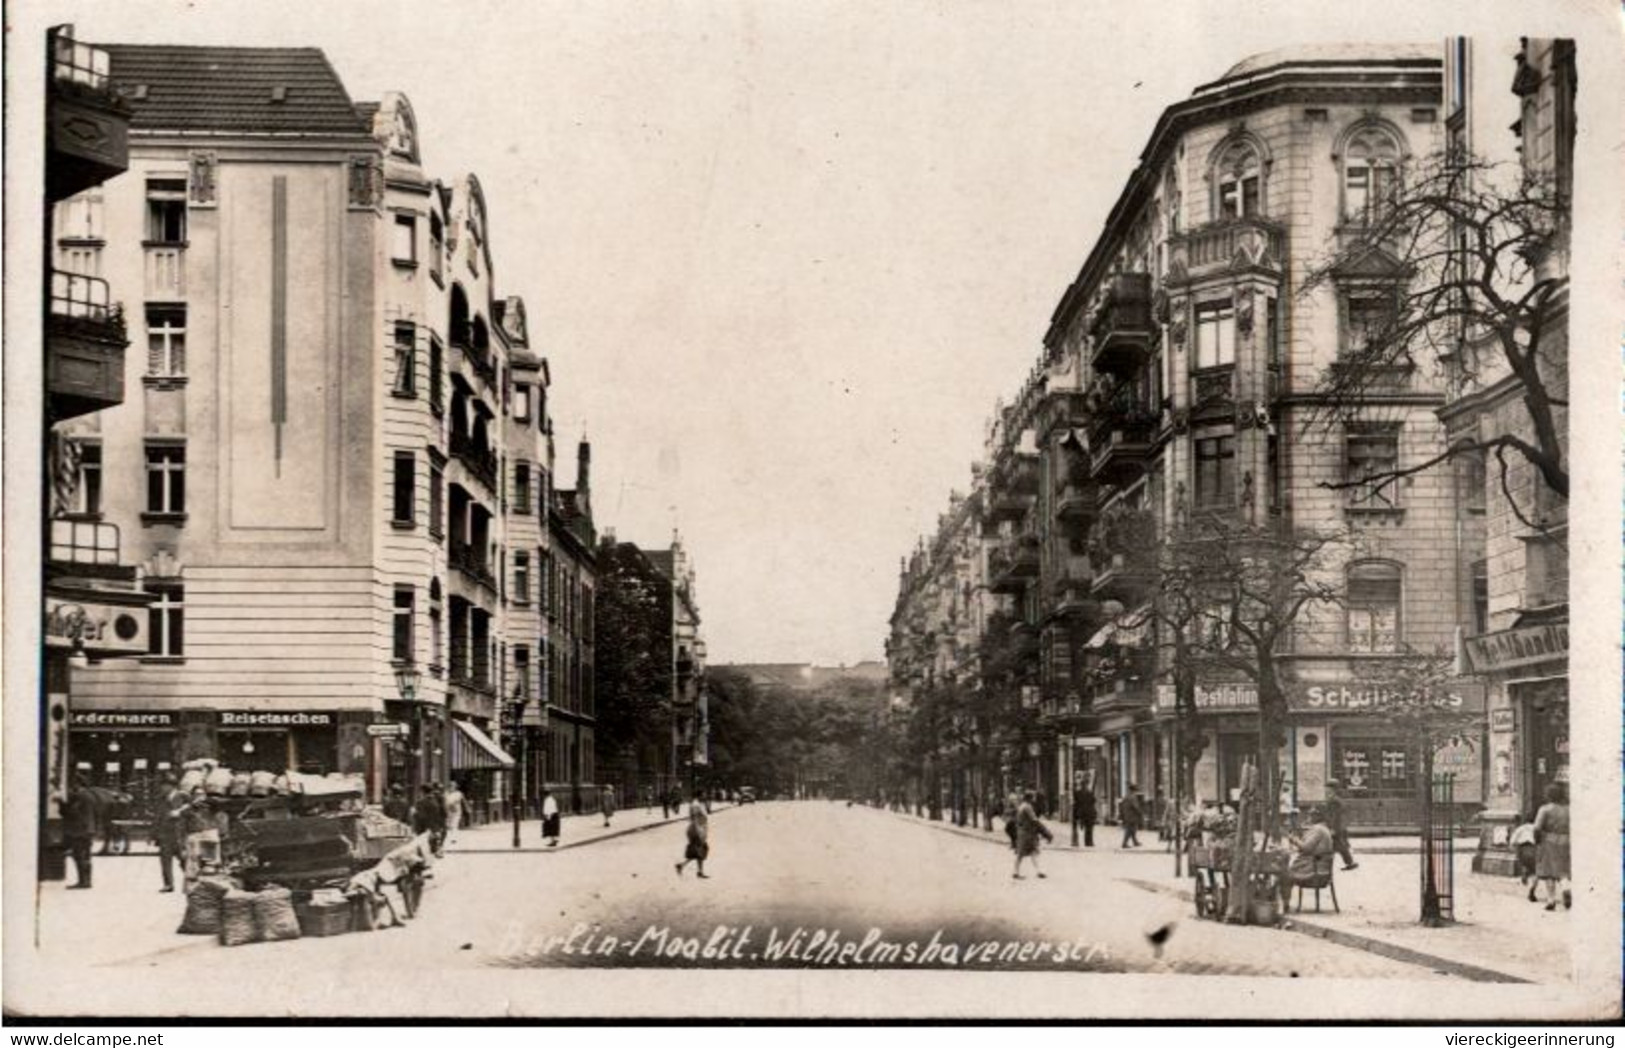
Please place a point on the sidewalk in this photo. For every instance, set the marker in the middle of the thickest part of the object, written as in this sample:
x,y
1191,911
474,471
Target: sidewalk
x,y
574,831
1498,935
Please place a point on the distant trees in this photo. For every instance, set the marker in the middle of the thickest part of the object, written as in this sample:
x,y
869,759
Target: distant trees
x,y
632,662
781,738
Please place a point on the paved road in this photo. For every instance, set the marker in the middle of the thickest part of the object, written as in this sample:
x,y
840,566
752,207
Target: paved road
x,y
793,885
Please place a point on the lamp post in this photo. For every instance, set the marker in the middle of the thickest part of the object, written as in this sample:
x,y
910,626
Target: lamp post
x,y
407,679
516,728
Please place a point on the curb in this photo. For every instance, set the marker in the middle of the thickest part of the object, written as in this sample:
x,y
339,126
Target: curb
x,y
1358,942
544,849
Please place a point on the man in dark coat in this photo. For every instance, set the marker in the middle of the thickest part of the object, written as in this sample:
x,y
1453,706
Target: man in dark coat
x,y
168,827
1337,821
429,816
396,806
1083,802
1132,813
79,827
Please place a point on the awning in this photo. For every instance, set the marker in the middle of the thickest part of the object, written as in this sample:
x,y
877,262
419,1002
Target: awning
x,y
1122,636
473,750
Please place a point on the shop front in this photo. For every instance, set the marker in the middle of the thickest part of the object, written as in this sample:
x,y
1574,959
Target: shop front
x,y
1525,671
126,750
478,763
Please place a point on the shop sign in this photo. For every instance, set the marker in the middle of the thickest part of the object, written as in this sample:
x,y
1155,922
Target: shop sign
x,y
1212,697
388,731
1501,720
273,719
120,719
1518,647
94,627
1463,696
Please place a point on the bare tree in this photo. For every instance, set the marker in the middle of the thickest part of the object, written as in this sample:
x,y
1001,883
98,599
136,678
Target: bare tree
x,y
1449,276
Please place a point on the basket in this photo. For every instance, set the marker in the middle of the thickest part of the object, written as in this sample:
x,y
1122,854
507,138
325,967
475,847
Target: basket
x,y
321,919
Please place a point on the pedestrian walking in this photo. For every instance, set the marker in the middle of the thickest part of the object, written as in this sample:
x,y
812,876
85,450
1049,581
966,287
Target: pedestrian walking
x,y
550,819
1524,847
1029,830
1088,814
79,827
607,804
396,805
1552,845
454,803
1333,810
429,816
1131,813
698,836
169,827
1012,804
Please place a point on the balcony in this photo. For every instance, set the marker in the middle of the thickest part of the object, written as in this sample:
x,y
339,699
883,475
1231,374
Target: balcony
x,y
462,339
85,340
1017,472
1122,577
1003,574
165,271
469,561
1223,246
1077,500
1123,328
1119,443
89,122
1121,696
481,462
1004,505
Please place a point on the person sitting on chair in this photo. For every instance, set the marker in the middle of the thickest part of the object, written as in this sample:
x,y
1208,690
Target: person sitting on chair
x,y
1312,844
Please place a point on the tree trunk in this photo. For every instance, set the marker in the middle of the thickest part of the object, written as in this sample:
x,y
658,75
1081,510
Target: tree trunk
x,y
1240,909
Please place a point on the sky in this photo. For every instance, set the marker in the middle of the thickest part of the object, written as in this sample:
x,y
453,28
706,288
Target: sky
x,y
783,257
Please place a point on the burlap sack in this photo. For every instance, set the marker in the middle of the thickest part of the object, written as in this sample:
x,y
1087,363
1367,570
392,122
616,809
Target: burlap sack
x,y
237,923
275,915
203,903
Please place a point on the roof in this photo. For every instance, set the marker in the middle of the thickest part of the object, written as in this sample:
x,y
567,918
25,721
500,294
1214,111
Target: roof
x,y
366,111
1333,54
662,560
233,89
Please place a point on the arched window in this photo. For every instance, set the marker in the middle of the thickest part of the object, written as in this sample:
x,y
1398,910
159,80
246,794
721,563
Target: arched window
x,y
1371,158
1374,596
1238,181
459,331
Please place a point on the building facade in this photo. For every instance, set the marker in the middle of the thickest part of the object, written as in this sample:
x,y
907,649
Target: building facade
x,y
334,476
1183,375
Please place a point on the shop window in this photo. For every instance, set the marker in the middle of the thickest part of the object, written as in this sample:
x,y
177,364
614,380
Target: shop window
x,y
1215,334
404,489
1374,593
1372,460
166,211
166,341
404,242
406,334
166,479
166,620
1216,472
405,614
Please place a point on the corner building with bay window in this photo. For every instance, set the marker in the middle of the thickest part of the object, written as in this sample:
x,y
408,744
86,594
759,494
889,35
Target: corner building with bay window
x,y
1180,376
334,466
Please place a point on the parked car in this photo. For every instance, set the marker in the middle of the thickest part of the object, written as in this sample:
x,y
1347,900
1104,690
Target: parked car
x,y
747,795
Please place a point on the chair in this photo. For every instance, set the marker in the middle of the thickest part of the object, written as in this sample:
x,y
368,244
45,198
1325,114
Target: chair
x,y
1321,879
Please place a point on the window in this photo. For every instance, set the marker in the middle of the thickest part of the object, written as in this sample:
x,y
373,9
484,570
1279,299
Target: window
x,y
1370,173
1472,480
521,670
80,216
1368,320
1373,458
521,402
166,210
166,341
1546,569
437,498
437,247
405,606
1215,334
405,359
1373,607
87,494
544,578
521,577
404,245
1481,597
436,641
1216,472
166,619
521,487
437,384
1238,189
405,482
166,479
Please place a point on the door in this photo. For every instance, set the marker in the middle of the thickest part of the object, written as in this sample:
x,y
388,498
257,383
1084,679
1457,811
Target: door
x,y
1548,720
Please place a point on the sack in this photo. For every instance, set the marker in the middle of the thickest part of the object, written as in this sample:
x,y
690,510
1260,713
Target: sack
x,y
240,783
237,923
191,779
261,783
217,783
203,906
279,785
274,914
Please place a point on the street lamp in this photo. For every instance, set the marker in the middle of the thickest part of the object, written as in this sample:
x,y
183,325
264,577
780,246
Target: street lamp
x,y
407,679
516,726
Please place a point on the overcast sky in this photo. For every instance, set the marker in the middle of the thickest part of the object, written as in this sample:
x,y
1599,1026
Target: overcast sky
x,y
783,257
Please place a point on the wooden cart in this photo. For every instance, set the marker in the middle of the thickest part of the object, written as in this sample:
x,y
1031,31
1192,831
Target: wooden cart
x,y
1210,877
